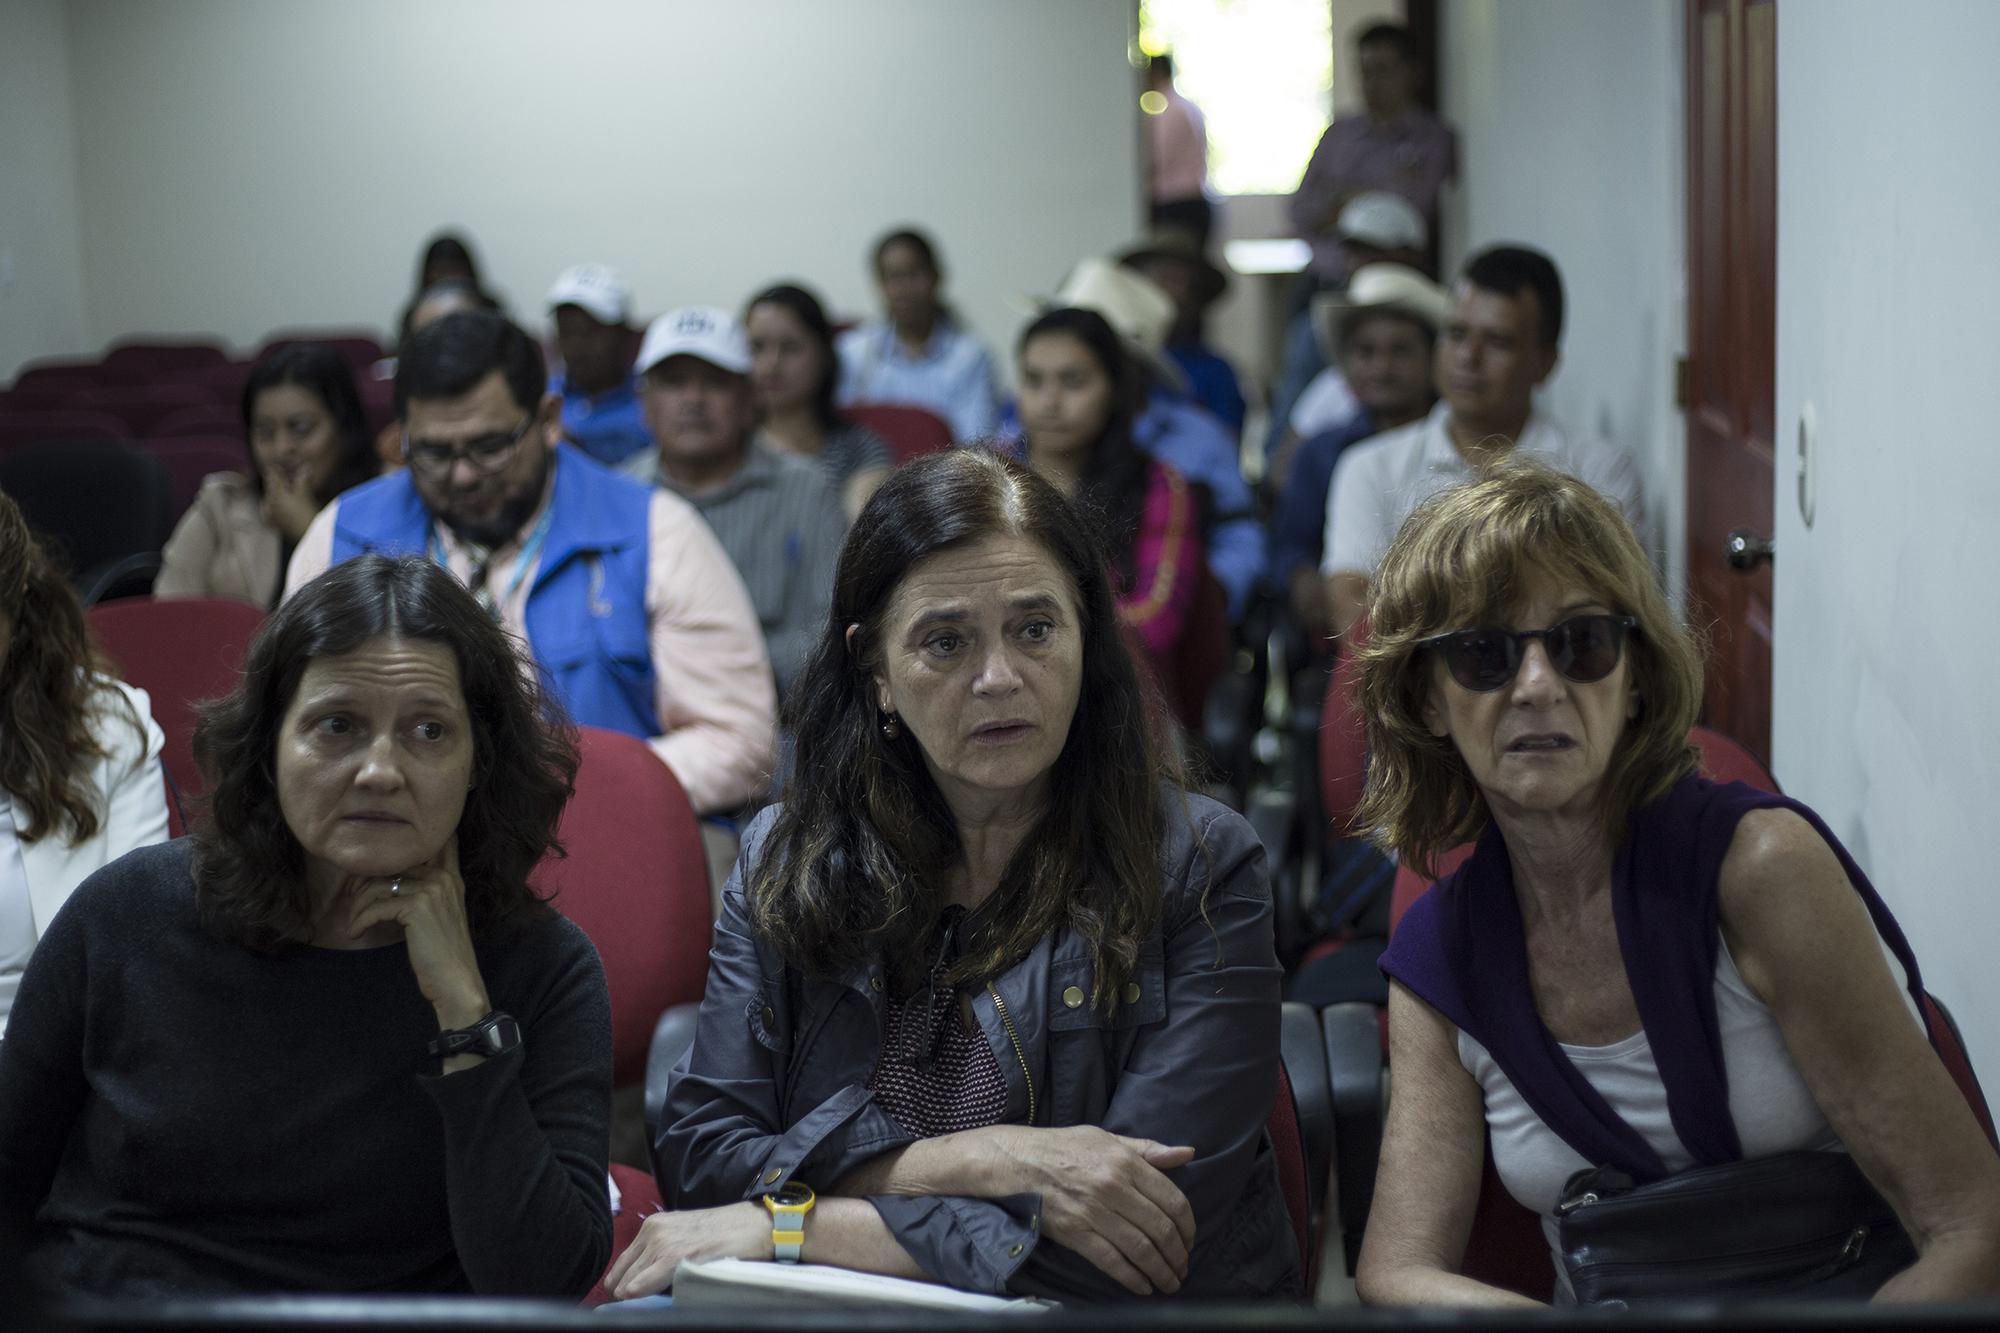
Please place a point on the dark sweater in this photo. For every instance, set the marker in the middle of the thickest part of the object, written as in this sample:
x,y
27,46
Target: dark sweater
x,y
182,1114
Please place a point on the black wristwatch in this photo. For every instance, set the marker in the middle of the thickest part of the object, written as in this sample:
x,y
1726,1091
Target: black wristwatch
x,y
495,1034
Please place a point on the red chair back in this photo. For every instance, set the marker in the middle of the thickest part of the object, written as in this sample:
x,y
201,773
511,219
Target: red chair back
x,y
636,881
38,427
179,652
190,459
908,431
151,359
1724,760
1343,739
360,347
141,406
1289,1147
199,419
56,378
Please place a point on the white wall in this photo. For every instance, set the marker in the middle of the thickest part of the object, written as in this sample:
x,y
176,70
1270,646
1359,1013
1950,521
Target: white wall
x,y
1888,627
41,264
250,163
1569,115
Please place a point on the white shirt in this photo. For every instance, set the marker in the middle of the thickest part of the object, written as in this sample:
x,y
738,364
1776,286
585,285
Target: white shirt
x,y
1326,402
1380,480
17,914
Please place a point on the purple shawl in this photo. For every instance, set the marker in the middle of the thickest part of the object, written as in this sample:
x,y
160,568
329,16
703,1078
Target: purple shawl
x,y
1461,949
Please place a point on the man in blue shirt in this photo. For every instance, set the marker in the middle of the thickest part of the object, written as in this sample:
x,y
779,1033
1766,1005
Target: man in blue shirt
x,y
592,310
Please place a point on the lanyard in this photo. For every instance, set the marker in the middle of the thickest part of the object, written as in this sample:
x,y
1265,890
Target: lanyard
x,y
530,549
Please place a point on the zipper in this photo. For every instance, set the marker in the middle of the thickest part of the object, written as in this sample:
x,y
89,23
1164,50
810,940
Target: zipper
x,y
1000,1007
1826,1261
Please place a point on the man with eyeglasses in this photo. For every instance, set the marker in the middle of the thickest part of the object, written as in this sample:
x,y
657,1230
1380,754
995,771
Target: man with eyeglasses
x,y
622,593
1498,345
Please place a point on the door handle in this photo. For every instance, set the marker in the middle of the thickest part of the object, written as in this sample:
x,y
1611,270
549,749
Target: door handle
x,y
1745,550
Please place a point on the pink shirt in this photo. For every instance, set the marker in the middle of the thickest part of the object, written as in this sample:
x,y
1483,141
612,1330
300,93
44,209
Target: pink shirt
x,y
1180,150
713,690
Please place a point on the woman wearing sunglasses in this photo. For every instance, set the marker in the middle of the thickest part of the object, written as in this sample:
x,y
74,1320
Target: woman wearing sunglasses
x,y
1637,968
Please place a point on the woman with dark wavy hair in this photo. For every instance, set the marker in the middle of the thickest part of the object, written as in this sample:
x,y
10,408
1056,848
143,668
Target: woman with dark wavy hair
x,y
335,1042
309,441
1080,392
794,370
990,1003
79,752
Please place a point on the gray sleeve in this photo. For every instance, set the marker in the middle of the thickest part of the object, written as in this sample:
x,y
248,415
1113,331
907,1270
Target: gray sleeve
x,y
724,1137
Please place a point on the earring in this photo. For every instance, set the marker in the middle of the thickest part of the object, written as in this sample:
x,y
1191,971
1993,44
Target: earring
x,y
892,727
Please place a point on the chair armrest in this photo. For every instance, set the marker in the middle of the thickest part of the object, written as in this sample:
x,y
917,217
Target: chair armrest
x,y
1355,1078
672,1035
1304,1051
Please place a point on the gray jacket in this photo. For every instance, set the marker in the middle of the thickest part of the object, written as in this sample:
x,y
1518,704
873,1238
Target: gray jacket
x,y
776,1082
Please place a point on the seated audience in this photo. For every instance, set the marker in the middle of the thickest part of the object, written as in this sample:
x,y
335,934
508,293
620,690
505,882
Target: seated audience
x,y
1499,344
773,512
308,443
1174,261
1079,393
81,763
794,371
335,1042
592,310
621,593
447,263
1638,968
1376,227
995,998
918,353
1385,330
1171,427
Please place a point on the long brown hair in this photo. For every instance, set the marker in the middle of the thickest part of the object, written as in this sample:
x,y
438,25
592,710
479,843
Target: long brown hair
x,y
1461,560
249,868
48,691
857,861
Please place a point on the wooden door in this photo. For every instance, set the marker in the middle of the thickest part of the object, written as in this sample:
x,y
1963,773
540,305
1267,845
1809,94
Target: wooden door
x,y
1732,142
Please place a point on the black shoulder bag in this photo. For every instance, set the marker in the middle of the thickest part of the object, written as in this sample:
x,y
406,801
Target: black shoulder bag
x,y
1795,1226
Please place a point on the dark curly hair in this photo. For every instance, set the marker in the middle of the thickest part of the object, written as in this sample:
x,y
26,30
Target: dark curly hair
x,y
858,858
47,691
250,879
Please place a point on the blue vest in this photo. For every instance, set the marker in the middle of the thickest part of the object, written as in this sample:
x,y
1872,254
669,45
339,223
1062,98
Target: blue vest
x,y
586,610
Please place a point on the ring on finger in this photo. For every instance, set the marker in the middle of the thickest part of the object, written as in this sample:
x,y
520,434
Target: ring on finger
x,y
396,887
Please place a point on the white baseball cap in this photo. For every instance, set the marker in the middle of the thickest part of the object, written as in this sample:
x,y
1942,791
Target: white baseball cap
x,y
596,290
1384,220
704,331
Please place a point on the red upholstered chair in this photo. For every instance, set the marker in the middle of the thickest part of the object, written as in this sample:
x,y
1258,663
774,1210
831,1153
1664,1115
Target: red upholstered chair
x,y
361,347
59,423
53,378
1288,1146
908,431
179,652
151,358
141,406
636,881
200,419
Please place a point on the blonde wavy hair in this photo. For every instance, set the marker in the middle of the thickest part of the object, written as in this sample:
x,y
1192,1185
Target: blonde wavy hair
x,y
1463,560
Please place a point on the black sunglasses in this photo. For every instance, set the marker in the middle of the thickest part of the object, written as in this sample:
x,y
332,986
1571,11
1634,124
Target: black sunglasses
x,y
1582,648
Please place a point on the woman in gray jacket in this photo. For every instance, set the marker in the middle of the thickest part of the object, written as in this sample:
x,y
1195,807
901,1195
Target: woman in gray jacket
x,y
990,1004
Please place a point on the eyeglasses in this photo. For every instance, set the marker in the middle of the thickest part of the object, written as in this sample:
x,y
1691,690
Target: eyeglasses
x,y
1582,648
488,453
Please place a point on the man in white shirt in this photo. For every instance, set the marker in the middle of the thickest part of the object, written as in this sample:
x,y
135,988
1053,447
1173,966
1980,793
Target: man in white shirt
x,y
1499,345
